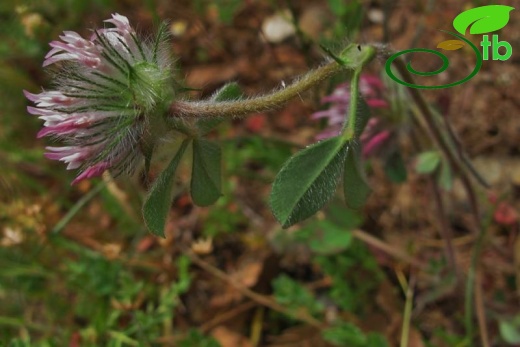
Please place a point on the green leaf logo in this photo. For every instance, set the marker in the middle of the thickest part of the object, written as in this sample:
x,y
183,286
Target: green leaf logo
x,y
483,19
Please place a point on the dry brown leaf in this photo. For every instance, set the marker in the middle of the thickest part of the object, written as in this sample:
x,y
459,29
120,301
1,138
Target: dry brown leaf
x,y
247,275
229,338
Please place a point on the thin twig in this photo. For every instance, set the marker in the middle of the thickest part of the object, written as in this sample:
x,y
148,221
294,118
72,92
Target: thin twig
x,y
218,320
456,162
445,229
407,287
473,285
75,209
481,315
440,140
258,298
376,243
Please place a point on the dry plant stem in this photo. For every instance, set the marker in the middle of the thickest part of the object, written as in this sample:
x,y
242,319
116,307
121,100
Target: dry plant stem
x,y
436,133
262,103
474,286
257,326
407,315
258,298
376,243
481,315
455,161
445,231
220,319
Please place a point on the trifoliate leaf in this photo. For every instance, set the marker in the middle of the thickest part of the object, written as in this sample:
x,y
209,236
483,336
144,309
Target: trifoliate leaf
x,y
158,202
206,172
307,181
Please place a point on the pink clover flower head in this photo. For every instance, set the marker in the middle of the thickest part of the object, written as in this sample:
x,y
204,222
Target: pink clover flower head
x,y
371,89
110,89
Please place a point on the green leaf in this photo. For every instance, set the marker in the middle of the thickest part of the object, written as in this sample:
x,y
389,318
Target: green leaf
x,y
307,181
395,168
228,92
510,330
337,7
206,172
158,201
355,187
330,239
345,334
344,217
483,19
195,338
427,162
376,340
294,296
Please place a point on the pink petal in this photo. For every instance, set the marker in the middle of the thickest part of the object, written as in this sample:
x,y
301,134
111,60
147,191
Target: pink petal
x,y
377,103
92,171
375,142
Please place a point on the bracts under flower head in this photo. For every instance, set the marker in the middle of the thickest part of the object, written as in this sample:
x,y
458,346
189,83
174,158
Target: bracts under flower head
x,y
111,91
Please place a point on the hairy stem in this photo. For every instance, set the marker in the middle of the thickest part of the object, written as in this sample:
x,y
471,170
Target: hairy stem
x,y
262,103
350,130
353,57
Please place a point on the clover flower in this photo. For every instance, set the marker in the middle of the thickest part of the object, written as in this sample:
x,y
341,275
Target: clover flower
x,y
371,88
111,92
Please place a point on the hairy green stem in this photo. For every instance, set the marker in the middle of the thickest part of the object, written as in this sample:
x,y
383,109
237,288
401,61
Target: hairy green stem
x,y
350,125
353,57
262,103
